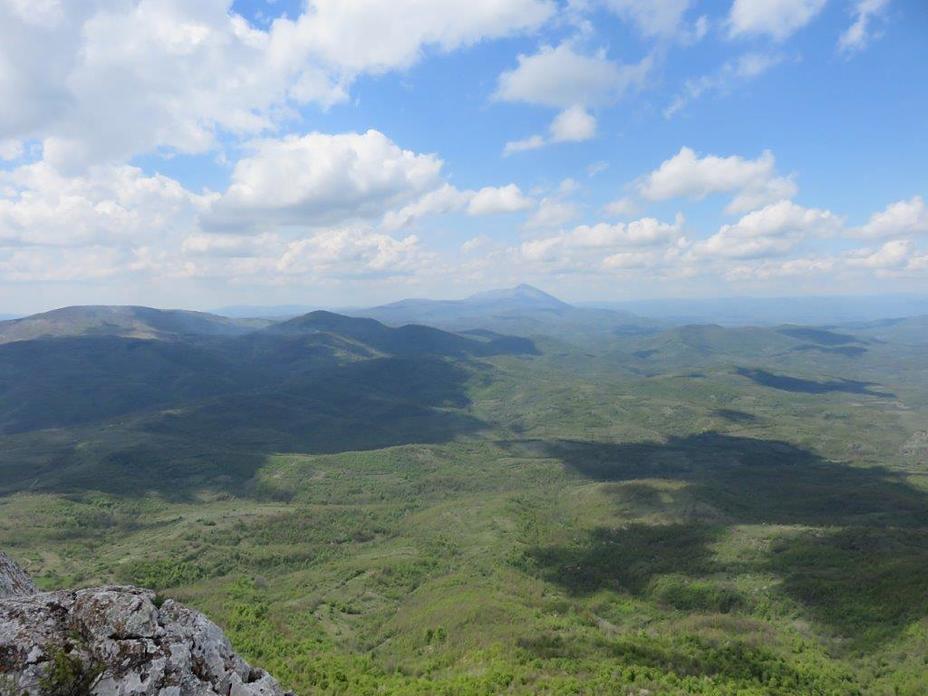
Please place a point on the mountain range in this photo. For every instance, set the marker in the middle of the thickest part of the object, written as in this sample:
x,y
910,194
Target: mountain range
x,y
314,383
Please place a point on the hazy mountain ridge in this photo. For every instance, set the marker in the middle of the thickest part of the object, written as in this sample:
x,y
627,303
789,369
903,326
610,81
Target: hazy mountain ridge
x,y
311,383
124,322
523,310
770,311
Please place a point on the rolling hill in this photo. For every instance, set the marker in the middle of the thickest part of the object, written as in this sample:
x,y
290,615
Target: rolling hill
x,y
124,322
222,388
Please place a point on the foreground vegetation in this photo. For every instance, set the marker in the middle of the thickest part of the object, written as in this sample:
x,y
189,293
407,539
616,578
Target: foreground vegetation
x,y
691,513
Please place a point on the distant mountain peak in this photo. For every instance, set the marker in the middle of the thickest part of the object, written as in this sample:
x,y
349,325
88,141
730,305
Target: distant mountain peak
x,y
522,293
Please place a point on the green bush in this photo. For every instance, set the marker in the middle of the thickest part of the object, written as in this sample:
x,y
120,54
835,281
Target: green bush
x,y
67,675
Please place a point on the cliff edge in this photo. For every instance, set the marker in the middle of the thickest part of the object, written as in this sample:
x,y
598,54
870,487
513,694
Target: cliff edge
x,y
114,641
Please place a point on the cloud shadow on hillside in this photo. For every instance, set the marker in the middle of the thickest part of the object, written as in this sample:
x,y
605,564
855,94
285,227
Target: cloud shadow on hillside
x,y
808,386
218,444
872,541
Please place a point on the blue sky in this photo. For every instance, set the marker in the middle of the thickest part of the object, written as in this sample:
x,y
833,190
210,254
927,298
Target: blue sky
x,y
355,151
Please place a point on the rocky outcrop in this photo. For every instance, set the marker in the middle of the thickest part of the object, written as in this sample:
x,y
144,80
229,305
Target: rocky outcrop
x,y
13,580
114,641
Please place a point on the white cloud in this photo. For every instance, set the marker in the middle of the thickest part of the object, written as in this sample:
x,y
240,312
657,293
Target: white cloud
x,y
661,18
645,242
490,200
475,244
643,232
732,73
596,168
621,207
55,265
898,219
108,80
353,253
562,78
771,231
381,35
531,143
810,268
505,199
320,179
445,199
11,149
102,80
226,245
346,253
303,193
573,125
778,19
892,255
860,33
109,205
552,212
686,174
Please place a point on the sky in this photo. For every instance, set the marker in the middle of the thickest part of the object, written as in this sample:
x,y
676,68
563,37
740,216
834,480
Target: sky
x,y
354,152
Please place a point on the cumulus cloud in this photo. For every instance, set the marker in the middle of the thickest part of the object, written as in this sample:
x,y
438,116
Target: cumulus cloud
x,y
320,179
307,203
767,270
771,231
532,142
490,200
227,245
861,32
560,77
56,265
381,35
605,246
330,254
621,207
504,199
11,149
475,244
898,219
108,205
892,255
353,253
103,80
552,212
686,174
778,19
658,18
573,125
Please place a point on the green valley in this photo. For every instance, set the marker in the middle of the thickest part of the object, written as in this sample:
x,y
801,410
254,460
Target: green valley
x,y
371,510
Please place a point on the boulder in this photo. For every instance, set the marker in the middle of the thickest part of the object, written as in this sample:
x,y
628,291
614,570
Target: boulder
x,y
114,641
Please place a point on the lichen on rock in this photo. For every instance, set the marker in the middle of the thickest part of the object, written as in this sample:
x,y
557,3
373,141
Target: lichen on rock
x,y
14,581
114,641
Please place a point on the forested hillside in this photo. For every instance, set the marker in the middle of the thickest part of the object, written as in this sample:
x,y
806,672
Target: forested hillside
x,y
368,509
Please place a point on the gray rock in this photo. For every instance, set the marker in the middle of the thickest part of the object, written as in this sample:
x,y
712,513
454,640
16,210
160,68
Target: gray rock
x,y
120,639
13,580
